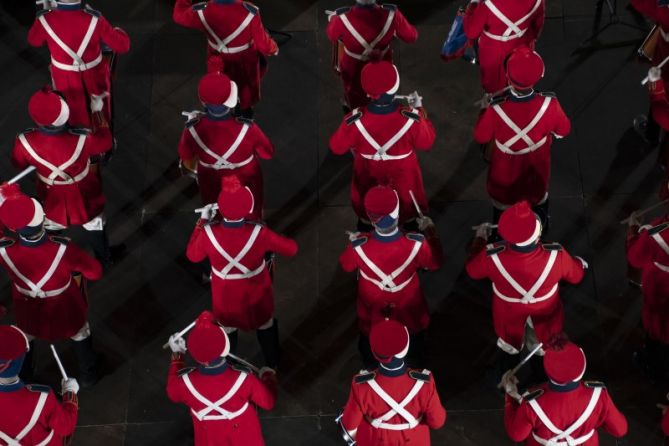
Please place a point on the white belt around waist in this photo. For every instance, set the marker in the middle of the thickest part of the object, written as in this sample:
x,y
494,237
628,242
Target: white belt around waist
x,y
533,300
238,276
42,294
227,166
229,49
227,416
75,179
363,57
77,66
378,424
505,149
572,442
505,38
662,267
382,287
385,157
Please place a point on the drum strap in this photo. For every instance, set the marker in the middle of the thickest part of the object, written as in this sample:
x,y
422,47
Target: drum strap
x,y
221,45
76,56
368,47
36,288
221,160
39,407
211,406
521,133
513,30
233,262
526,296
396,408
386,282
660,241
57,171
382,150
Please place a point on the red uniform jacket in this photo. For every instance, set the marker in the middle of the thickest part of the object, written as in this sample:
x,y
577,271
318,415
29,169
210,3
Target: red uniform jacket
x,y
520,166
57,308
365,405
648,251
244,298
71,26
72,193
204,137
366,133
496,39
376,27
563,409
660,15
543,305
394,291
55,420
242,57
210,428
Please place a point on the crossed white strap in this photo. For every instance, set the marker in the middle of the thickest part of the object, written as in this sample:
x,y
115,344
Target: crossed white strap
x,y
222,160
665,36
563,437
221,45
513,30
396,408
216,406
368,47
58,171
521,133
39,407
526,296
78,63
234,262
382,150
36,288
387,281
665,247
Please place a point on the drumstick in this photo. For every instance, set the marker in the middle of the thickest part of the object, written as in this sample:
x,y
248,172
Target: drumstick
x,y
524,361
23,173
476,228
415,203
214,207
244,362
645,211
180,334
60,364
645,79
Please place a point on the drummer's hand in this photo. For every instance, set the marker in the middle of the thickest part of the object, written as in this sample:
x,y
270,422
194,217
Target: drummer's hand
x,y
654,74
634,219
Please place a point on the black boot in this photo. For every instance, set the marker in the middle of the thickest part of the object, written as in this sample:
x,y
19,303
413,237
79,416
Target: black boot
x,y
269,344
27,373
369,362
99,243
234,341
87,358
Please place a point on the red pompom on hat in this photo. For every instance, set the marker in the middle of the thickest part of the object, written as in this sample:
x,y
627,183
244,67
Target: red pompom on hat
x,y
564,362
235,201
378,78
207,341
389,339
519,224
217,89
18,210
13,343
382,206
524,68
48,108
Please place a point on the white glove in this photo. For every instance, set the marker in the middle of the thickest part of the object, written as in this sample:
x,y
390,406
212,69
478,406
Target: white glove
x,y
69,385
510,384
634,219
484,230
208,212
415,100
424,223
352,236
177,344
97,101
190,115
583,262
654,74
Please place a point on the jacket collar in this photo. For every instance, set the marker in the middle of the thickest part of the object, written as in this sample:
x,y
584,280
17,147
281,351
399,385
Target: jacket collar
x,y
216,369
563,387
396,367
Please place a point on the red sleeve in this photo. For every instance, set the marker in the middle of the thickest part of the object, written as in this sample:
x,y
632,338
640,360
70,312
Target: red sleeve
x,y
114,38
341,141
173,380
36,34
477,266
186,149
562,122
20,158
639,252
430,255
572,269
81,262
537,23
484,130
61,417
279,244
99,142
261,39
403,29
423,133
645,7
517,424
353,415
612,420
195,251
435,413
261,143
665,423
348,259
184,15
263,392
474,21
334,29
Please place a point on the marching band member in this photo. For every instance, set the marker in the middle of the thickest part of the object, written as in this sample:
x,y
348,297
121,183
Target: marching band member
x,y
521,125
30,414
215,144
366,32
392,404
500,26
238,43
237,249
75,35
388,261
384,137
221,396
49,296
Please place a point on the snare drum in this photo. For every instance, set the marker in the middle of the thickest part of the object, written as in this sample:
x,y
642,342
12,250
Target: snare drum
x,y
647,48
337,54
